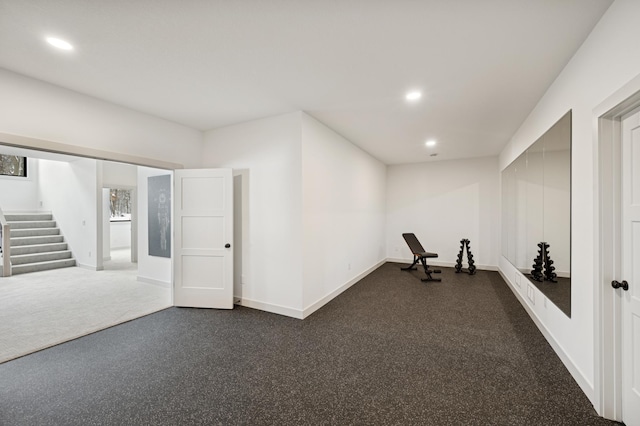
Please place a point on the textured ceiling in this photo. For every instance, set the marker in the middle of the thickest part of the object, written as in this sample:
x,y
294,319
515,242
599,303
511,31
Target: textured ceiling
x,y
481,65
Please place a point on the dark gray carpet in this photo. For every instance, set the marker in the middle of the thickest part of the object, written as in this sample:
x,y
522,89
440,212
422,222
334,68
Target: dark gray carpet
x,y
391,350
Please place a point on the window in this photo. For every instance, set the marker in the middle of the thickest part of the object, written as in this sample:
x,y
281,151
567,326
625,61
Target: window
x,y
13,165
120,203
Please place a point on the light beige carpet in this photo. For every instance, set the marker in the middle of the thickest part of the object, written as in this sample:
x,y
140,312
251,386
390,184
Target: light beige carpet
x,y
42,309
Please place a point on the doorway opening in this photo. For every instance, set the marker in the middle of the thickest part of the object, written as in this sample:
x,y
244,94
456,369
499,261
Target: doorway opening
x,y
110,285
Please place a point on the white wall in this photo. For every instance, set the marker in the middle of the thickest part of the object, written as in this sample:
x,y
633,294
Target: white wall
x,y
32,108
442,203
268,152
120,234
151,269
343,208
19,193
608,59
119,175
71,192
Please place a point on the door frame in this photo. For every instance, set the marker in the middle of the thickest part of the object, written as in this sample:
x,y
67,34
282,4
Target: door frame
x,y
81,151
607,135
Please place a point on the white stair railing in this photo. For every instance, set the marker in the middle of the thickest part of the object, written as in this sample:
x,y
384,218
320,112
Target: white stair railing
x,y
5,238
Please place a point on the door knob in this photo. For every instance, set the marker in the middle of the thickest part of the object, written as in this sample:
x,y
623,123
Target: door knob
x,y
229,245
623,284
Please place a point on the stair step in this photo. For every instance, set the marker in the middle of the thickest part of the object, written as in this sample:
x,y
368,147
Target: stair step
x,y
42,266
21,217
23,259
29,241
38,248
30,224
36,243
34,232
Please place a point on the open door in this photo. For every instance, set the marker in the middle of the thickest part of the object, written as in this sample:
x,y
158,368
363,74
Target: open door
x,y
203,221
629,291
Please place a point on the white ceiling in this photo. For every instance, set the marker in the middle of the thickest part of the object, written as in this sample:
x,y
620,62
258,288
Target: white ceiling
x,y
481,65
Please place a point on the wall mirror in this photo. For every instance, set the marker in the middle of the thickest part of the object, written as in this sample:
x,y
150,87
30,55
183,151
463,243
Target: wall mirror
x,y
536,213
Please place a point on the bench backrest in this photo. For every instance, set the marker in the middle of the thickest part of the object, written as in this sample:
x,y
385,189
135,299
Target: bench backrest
x,y
413,243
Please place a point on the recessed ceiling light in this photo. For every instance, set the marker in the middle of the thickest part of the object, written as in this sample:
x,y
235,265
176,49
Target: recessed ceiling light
x,y
60,44
430,143
413,96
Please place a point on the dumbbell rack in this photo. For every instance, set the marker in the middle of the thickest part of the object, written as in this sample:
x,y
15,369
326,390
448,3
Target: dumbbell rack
x,y
464,244
543,261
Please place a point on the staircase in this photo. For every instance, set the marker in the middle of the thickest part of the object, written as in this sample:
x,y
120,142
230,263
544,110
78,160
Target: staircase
x,y
36,243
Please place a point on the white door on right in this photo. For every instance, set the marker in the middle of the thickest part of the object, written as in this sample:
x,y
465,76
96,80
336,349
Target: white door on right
x,y
630,270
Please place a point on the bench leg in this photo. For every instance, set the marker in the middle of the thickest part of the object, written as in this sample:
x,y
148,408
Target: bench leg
x,y
428,272
411,268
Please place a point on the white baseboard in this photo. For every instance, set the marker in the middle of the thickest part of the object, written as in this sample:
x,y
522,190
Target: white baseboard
x,y
443,264
89,267
301,314
576,373
270,307
335,293
153,281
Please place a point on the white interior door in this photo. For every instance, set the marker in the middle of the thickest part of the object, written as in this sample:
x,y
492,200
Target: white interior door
x,y
631,270
203,221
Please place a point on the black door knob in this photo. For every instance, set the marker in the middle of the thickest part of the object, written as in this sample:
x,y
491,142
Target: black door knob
x,y
623,284
227,245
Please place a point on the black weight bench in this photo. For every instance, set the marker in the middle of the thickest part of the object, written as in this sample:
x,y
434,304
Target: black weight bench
x,y
419,255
